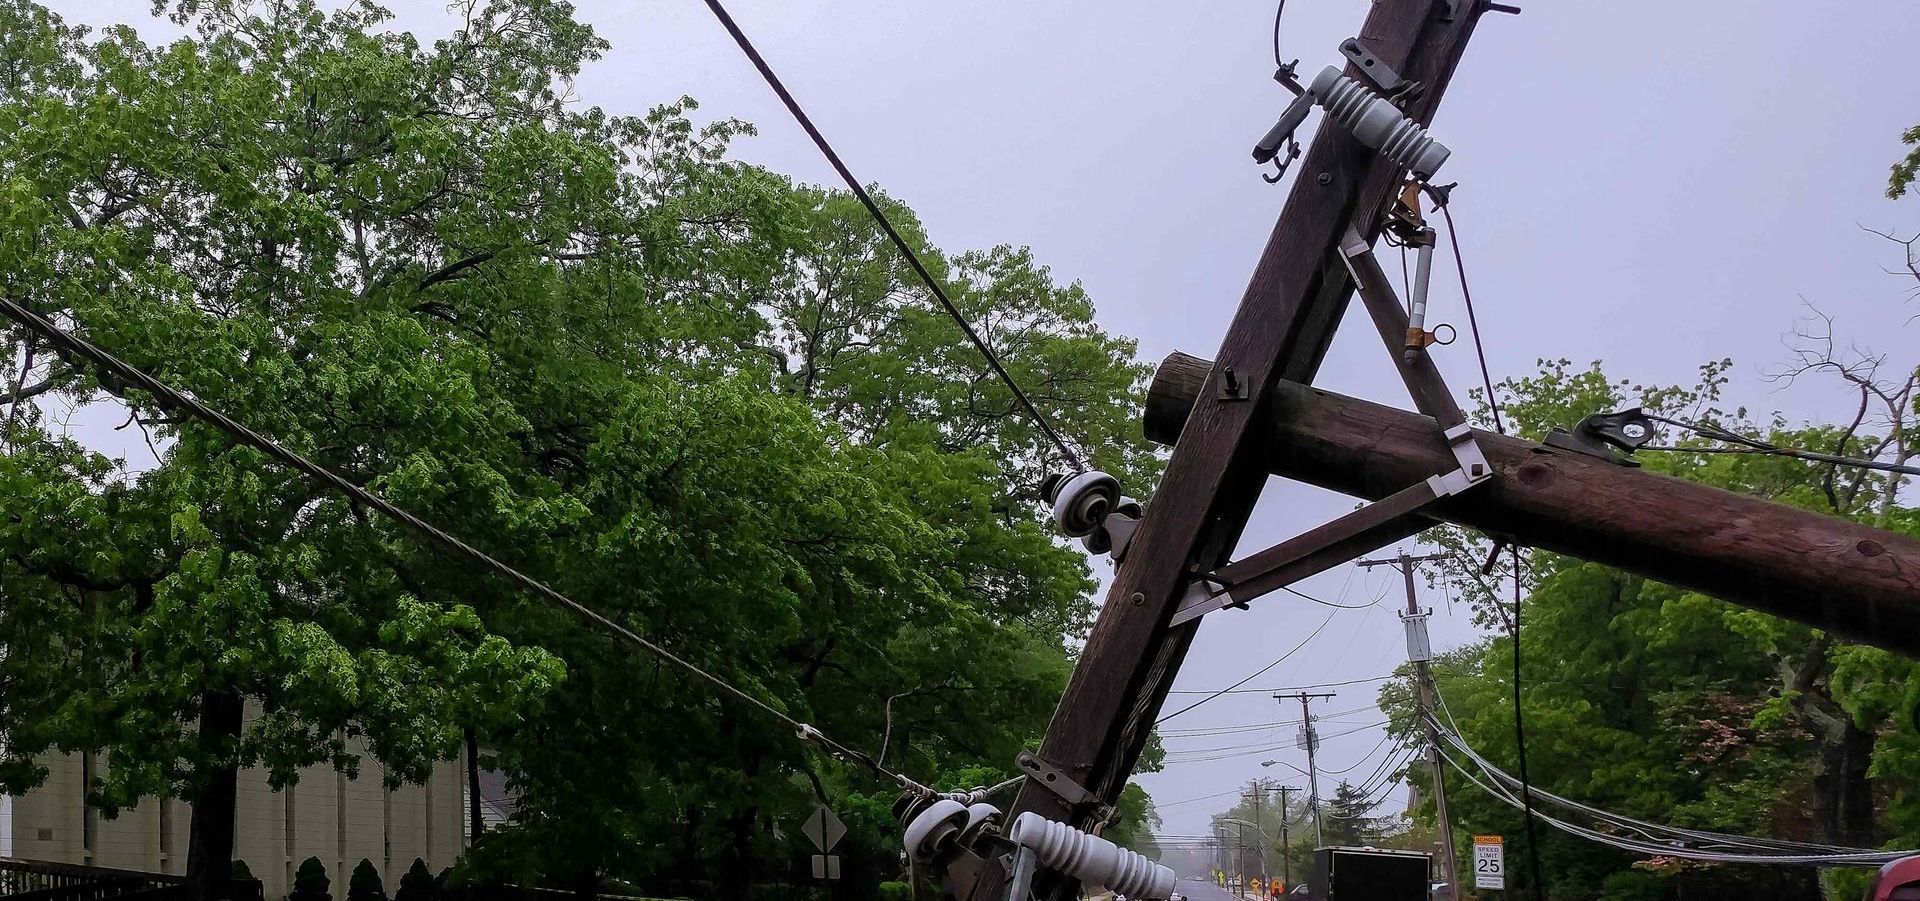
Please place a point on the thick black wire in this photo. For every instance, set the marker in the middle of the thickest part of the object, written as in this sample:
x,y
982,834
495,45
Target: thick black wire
x,y
1278,8
1473,322
169,397
1520,743
1754,446
886,225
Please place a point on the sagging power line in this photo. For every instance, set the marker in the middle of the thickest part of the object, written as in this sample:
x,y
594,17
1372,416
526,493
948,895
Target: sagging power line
x,y
167,396
886,225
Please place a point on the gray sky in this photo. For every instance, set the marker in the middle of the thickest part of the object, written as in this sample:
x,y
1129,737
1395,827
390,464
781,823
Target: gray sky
x,y
1651,184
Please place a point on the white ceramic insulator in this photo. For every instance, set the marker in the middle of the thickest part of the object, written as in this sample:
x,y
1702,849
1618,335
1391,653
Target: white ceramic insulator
x,y
929,834
1377,124
1090,858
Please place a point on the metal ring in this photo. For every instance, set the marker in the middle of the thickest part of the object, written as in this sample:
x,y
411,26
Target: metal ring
x,y
1452,334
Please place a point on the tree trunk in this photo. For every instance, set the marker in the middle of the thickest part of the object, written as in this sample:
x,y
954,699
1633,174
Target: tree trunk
x,y
475,825
586,885
736,884
1842,795
210,839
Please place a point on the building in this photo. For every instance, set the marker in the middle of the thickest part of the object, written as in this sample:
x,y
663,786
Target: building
x,y
324,815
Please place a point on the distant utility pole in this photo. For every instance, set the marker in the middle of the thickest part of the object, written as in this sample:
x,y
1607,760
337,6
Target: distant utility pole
x,y
1311,738
1286,847
1420,652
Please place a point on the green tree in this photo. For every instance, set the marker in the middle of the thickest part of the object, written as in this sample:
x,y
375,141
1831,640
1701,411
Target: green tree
x,y
1349,818
547,328
310,882
417,884
365,884
1679,708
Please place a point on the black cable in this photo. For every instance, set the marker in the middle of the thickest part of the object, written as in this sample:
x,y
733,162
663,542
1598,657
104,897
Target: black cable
x,y
1251,676
1473,322
167,396
1278,9
1364,758
1756,446
886,225
1290,590
1520,743
1232,691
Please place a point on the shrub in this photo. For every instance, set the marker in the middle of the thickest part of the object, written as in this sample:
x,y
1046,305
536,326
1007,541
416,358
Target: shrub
x,y
365,883
310,882
418,884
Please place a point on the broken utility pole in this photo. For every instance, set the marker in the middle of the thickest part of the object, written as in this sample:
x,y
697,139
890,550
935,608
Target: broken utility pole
x,y
1853,580
1420,652
1283,327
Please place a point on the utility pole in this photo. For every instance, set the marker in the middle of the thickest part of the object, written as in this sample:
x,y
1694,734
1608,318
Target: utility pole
x,y
1283,328
1259,791
1846,578
1420,652
1311,738
1286,846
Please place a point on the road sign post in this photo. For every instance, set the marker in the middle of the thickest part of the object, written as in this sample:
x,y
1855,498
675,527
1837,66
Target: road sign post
x,y
1489,862
825,830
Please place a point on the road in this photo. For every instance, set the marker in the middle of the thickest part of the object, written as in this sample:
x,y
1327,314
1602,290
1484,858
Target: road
x,y
1202,890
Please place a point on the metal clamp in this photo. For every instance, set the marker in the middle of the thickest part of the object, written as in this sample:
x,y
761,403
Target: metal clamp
x,y
1054,780
1466,452
1399,90
1597,435
1201,598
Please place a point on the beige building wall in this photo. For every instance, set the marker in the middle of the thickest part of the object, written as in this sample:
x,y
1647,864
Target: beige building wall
x,y
325,815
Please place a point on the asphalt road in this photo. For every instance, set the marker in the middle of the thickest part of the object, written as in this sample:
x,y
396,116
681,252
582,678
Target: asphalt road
x,y
1199,890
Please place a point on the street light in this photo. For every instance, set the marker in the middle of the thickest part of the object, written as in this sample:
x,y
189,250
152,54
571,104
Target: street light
x,y
1284,764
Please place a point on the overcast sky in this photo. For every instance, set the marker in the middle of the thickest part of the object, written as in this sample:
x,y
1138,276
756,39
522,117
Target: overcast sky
x,y
1652,184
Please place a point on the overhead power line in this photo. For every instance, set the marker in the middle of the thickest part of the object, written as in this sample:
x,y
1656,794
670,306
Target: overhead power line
x,y
1253,675
1441,199
1745,445
167,396
886,225
1283,689
1863,857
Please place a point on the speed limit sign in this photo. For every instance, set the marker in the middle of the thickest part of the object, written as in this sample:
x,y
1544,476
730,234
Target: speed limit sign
x,y
1489,862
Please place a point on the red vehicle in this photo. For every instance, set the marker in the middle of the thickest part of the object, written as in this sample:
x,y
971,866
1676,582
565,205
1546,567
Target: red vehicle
x,y
1897,881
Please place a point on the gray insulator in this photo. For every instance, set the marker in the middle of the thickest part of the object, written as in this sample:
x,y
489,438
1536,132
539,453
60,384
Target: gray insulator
x,y
1378,124
1090,858
931,834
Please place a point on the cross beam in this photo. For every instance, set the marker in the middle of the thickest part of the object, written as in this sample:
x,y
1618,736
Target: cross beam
x,y
1845,577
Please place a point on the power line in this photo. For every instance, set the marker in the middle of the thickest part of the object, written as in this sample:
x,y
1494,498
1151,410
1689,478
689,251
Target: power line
x,y
1365,757
166,395
1441,198
1290,688
1746,445
1251,676
1862,857
1520,743
1653,831
1291,590
886,225
1279,9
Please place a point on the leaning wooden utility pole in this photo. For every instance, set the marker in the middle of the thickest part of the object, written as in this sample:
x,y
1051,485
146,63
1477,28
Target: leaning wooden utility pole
x,y
1284,325
1421,654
